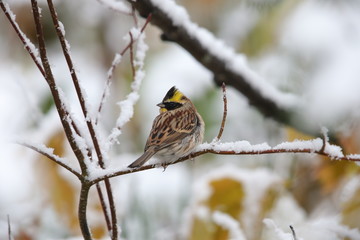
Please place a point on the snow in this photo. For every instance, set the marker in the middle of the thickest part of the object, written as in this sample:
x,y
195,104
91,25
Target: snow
x,y
127,105
332,46
235,62
259,179
61,28
27,43
227,222
237,147
314,145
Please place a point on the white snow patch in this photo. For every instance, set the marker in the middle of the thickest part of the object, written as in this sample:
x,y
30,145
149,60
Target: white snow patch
x,y
227,222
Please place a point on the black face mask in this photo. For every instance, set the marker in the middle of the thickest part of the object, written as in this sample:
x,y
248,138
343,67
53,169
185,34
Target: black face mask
x,y
172,105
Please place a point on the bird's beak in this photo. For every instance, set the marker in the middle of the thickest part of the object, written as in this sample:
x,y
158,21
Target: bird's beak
x,y
161,105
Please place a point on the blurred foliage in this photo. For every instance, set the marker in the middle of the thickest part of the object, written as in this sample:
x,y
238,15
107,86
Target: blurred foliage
x,y
61,194
351,210
264,34
228,196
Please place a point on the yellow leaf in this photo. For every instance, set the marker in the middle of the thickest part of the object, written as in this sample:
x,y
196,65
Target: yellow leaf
x,y
227,195
61,194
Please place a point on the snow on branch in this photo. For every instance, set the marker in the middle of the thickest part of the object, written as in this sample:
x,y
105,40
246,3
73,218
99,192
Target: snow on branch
x,y
49,153
137,63
29,46
116,61
314,146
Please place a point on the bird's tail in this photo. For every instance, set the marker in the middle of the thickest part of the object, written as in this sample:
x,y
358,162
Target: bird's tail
x,y
142,159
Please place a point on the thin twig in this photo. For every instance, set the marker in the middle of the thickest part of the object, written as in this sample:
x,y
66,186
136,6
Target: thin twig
x,y
9,227
132,55
223,86
114,64
293,232
26,42
104,207
53,158
133,13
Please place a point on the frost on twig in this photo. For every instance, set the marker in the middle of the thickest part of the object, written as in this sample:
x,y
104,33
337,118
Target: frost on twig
x,y
127,105
29,46
49,153
116,61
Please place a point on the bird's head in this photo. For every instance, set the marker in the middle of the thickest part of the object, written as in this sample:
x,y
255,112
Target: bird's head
x,y
172,100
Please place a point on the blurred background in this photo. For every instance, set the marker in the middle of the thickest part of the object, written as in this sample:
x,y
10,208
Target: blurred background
x,y
310,48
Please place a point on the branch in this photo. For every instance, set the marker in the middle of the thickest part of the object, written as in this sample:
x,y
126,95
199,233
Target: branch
x,y
137,64
29,46
64,115
114,64
90,124
293,232
9,228
84,194
223,86
226,66
47,152
242,148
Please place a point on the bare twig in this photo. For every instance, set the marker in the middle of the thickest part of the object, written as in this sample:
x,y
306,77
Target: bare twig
x,y
133,13
223,86
293,232
53,158
26,42
104,207
132,55
9,228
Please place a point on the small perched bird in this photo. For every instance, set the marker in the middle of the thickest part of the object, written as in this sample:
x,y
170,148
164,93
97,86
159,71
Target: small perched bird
x,y
175,132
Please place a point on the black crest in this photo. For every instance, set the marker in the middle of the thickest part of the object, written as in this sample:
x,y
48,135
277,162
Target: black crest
x,y
170,93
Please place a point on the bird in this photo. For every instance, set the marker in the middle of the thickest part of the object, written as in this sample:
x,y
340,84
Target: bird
x,y
175,132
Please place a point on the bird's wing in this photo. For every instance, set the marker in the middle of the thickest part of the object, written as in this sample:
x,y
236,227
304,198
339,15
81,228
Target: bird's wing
x,y
167,129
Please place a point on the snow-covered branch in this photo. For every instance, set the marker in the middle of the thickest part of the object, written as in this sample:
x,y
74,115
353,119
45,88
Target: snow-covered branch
x,y
127,105
226,65
48,152
315,146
